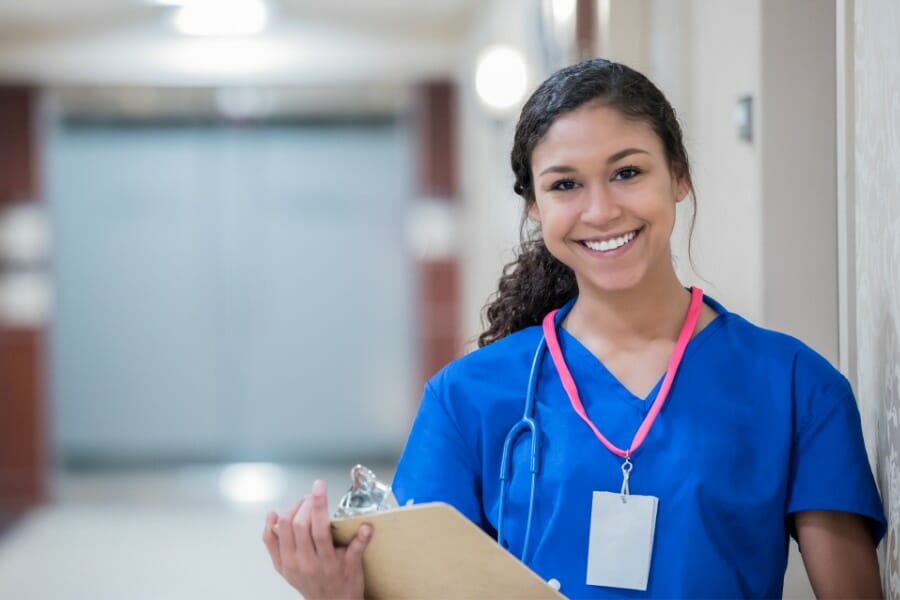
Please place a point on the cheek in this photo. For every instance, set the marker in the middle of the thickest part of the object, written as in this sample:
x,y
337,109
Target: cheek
x,y
657,202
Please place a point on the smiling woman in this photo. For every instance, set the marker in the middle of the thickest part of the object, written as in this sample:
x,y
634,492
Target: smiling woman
x,y
596,201
668,447
613,138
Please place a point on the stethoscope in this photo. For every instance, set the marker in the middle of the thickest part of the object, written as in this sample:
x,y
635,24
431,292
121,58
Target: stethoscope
x,y
528,423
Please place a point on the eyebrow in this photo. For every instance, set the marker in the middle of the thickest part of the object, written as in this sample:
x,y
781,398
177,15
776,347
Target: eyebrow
x,y
615,157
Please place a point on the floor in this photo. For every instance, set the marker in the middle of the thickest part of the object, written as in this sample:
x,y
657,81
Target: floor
x,y
152,535
172,534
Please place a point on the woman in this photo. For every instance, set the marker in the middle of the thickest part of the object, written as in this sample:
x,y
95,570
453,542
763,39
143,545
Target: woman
x,y
718,439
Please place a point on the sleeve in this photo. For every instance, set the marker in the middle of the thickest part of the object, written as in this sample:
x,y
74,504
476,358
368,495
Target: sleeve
x,y
437,464
829,465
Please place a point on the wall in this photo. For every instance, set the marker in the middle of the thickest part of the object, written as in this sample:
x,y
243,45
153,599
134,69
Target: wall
x,y
724,54
491,212
797,182
623,30
704,56
875,154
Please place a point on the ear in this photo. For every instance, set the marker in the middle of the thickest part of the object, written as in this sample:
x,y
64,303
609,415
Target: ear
x,y
682,188
534,212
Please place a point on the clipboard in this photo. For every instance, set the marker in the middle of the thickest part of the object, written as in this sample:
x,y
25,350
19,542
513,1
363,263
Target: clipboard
x,y
431,550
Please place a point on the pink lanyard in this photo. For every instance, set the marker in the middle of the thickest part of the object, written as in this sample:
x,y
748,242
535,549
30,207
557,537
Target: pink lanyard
x,y
569,383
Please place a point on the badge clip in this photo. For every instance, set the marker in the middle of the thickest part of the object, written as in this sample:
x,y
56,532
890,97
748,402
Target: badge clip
x,y
626,473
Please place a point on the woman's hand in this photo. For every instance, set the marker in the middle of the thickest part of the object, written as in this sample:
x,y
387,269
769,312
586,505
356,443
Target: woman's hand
x,y
303,551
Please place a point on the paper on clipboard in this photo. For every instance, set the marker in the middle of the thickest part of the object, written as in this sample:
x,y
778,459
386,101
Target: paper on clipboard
x,y
432,551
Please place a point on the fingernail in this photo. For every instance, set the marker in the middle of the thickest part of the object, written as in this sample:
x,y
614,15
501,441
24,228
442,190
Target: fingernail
x,y
318,488
365,530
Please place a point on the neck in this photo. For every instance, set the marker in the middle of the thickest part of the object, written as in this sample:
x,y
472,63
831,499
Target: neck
x,y
653,310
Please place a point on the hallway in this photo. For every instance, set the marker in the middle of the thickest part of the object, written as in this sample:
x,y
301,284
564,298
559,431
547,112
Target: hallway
x,y
151,535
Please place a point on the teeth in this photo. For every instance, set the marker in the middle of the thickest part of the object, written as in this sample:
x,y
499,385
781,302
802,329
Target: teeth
x,y
612,244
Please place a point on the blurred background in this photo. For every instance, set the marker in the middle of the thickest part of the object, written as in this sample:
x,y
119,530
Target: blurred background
x,y
237,236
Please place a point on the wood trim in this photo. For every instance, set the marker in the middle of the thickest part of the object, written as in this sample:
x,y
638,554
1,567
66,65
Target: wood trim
x,y
22,417
23,454
18,156
585,28
438,340
439,314
437,142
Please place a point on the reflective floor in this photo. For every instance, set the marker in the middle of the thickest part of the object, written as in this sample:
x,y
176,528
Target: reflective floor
x,y
178,533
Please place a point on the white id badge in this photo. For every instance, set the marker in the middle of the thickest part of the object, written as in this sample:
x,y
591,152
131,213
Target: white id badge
x,y
621,541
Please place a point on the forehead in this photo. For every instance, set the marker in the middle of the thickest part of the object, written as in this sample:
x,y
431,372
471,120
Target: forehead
x,y
593,132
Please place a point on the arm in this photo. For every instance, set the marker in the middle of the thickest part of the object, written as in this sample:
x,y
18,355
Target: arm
x,y
838,554
439,462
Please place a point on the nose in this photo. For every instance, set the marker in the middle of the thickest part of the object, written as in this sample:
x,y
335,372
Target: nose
x,y
600,206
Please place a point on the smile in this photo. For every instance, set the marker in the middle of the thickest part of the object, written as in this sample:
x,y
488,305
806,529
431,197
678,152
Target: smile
x,y
611,244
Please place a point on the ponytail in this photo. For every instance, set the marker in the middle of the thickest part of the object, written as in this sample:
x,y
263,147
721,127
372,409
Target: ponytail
x,y
531,286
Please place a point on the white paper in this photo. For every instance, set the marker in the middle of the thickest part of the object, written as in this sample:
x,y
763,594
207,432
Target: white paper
x,y
621,540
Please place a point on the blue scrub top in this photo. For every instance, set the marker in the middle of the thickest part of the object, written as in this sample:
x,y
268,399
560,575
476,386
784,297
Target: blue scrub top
x,y
757,427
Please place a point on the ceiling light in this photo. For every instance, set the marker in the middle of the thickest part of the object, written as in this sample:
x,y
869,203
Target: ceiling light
x,y
563,10
500,77
221,17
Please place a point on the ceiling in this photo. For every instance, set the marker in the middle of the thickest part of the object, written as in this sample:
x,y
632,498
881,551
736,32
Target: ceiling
x,y
308,42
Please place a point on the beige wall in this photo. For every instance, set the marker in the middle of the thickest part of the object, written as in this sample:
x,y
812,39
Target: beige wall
x,y
765,236
723,65
489,223
798,187
875,191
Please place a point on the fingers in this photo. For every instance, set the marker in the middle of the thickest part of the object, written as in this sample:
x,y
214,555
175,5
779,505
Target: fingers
x,y
302,534
286,543
320,523
358,544
271,540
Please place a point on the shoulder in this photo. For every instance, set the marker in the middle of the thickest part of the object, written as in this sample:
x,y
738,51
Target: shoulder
x,y
487,380
498,361
774,358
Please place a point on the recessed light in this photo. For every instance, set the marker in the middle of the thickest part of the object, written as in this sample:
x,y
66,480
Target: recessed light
x,y
221,17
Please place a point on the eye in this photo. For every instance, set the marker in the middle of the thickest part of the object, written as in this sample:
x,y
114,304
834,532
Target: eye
x,y
625,173
563,185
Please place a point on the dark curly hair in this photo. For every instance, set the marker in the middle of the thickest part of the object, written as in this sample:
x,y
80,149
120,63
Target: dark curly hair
x,y
535,282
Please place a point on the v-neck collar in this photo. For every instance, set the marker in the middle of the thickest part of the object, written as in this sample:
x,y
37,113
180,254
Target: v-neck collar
x,y
579,356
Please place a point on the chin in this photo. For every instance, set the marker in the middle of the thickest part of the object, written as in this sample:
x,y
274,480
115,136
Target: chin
x,y
612,283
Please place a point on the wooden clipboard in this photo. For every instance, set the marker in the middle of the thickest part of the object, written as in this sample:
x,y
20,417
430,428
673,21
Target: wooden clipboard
x,y
432,551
